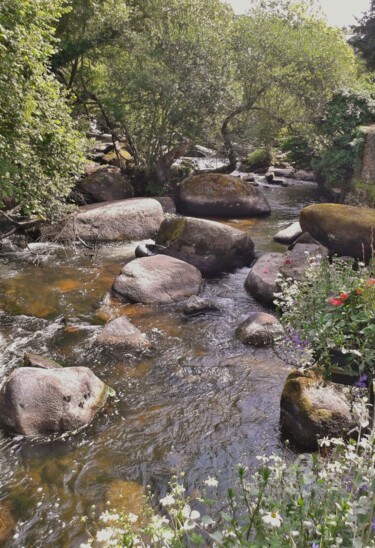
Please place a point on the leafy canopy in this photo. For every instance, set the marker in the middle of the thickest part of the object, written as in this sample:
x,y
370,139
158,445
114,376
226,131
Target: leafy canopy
x,y
40,147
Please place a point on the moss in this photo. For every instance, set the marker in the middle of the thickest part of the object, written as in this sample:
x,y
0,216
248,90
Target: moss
x,y
339,212
295,390
112,156
7,523
171,230
362,193
260,158
214,183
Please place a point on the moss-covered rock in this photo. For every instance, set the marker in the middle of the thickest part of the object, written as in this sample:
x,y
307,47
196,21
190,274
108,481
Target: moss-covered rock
x,y
214,194
210,246
260,158
345,230
115,159
311,408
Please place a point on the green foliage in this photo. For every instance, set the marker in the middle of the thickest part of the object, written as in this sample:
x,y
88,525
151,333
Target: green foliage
x,y
364,37
332,310
298,149
40,148
321,500
332,140
260,158
287,64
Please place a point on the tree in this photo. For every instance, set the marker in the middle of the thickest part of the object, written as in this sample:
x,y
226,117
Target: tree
x,y
40,147
363,39
287,63
161,81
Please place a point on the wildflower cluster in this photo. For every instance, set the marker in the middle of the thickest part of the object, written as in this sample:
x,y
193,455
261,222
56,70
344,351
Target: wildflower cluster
x,y
321,500
331,312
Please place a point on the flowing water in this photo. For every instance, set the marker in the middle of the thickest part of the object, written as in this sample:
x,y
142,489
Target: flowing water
x,y
198,402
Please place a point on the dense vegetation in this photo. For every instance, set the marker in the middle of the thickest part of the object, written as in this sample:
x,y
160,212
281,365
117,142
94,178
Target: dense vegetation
x,y
158,74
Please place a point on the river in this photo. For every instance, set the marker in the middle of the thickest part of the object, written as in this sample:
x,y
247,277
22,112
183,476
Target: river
x,y
199,402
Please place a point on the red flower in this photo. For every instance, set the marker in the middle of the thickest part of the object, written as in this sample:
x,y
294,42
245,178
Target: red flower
x,y
370,282
343,296
335,302
357,291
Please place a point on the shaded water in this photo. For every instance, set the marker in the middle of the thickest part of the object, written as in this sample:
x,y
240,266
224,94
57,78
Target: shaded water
x,y
199,401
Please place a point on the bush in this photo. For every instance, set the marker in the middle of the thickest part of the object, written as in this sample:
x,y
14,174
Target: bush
x,y
260,158
330,312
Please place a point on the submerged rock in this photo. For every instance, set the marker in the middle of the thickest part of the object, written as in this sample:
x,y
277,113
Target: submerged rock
x,y
158,279
345,230
120,333
37,401
199,305
214,194
259,329
122,220
311,408
7,521
261,280
210,246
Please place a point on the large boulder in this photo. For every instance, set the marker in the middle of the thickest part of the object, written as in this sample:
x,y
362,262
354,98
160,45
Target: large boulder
x,y
123,220
312,408
158,279
210,246
259,329
36,401
345,230
214,194
105,184
120,333
298,259
261,280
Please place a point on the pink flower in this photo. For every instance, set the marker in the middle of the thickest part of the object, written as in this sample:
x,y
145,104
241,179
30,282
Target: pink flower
x,y
370,282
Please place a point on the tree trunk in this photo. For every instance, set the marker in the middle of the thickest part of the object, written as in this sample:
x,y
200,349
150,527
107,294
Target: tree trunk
x,y
227,139
164,163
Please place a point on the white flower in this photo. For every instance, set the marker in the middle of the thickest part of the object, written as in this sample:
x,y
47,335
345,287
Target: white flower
x,y
132,518
104,534
187,513
273,519
168,500
211,482
109,517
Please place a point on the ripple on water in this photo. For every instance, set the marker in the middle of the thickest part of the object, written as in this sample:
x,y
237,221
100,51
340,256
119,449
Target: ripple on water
x,y
198,402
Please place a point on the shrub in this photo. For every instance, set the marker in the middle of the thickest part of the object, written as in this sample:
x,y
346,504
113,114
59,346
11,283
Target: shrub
x,y
260,158
321,500
331,311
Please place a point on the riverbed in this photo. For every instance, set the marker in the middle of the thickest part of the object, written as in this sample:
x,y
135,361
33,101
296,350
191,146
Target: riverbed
x,y
198,402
